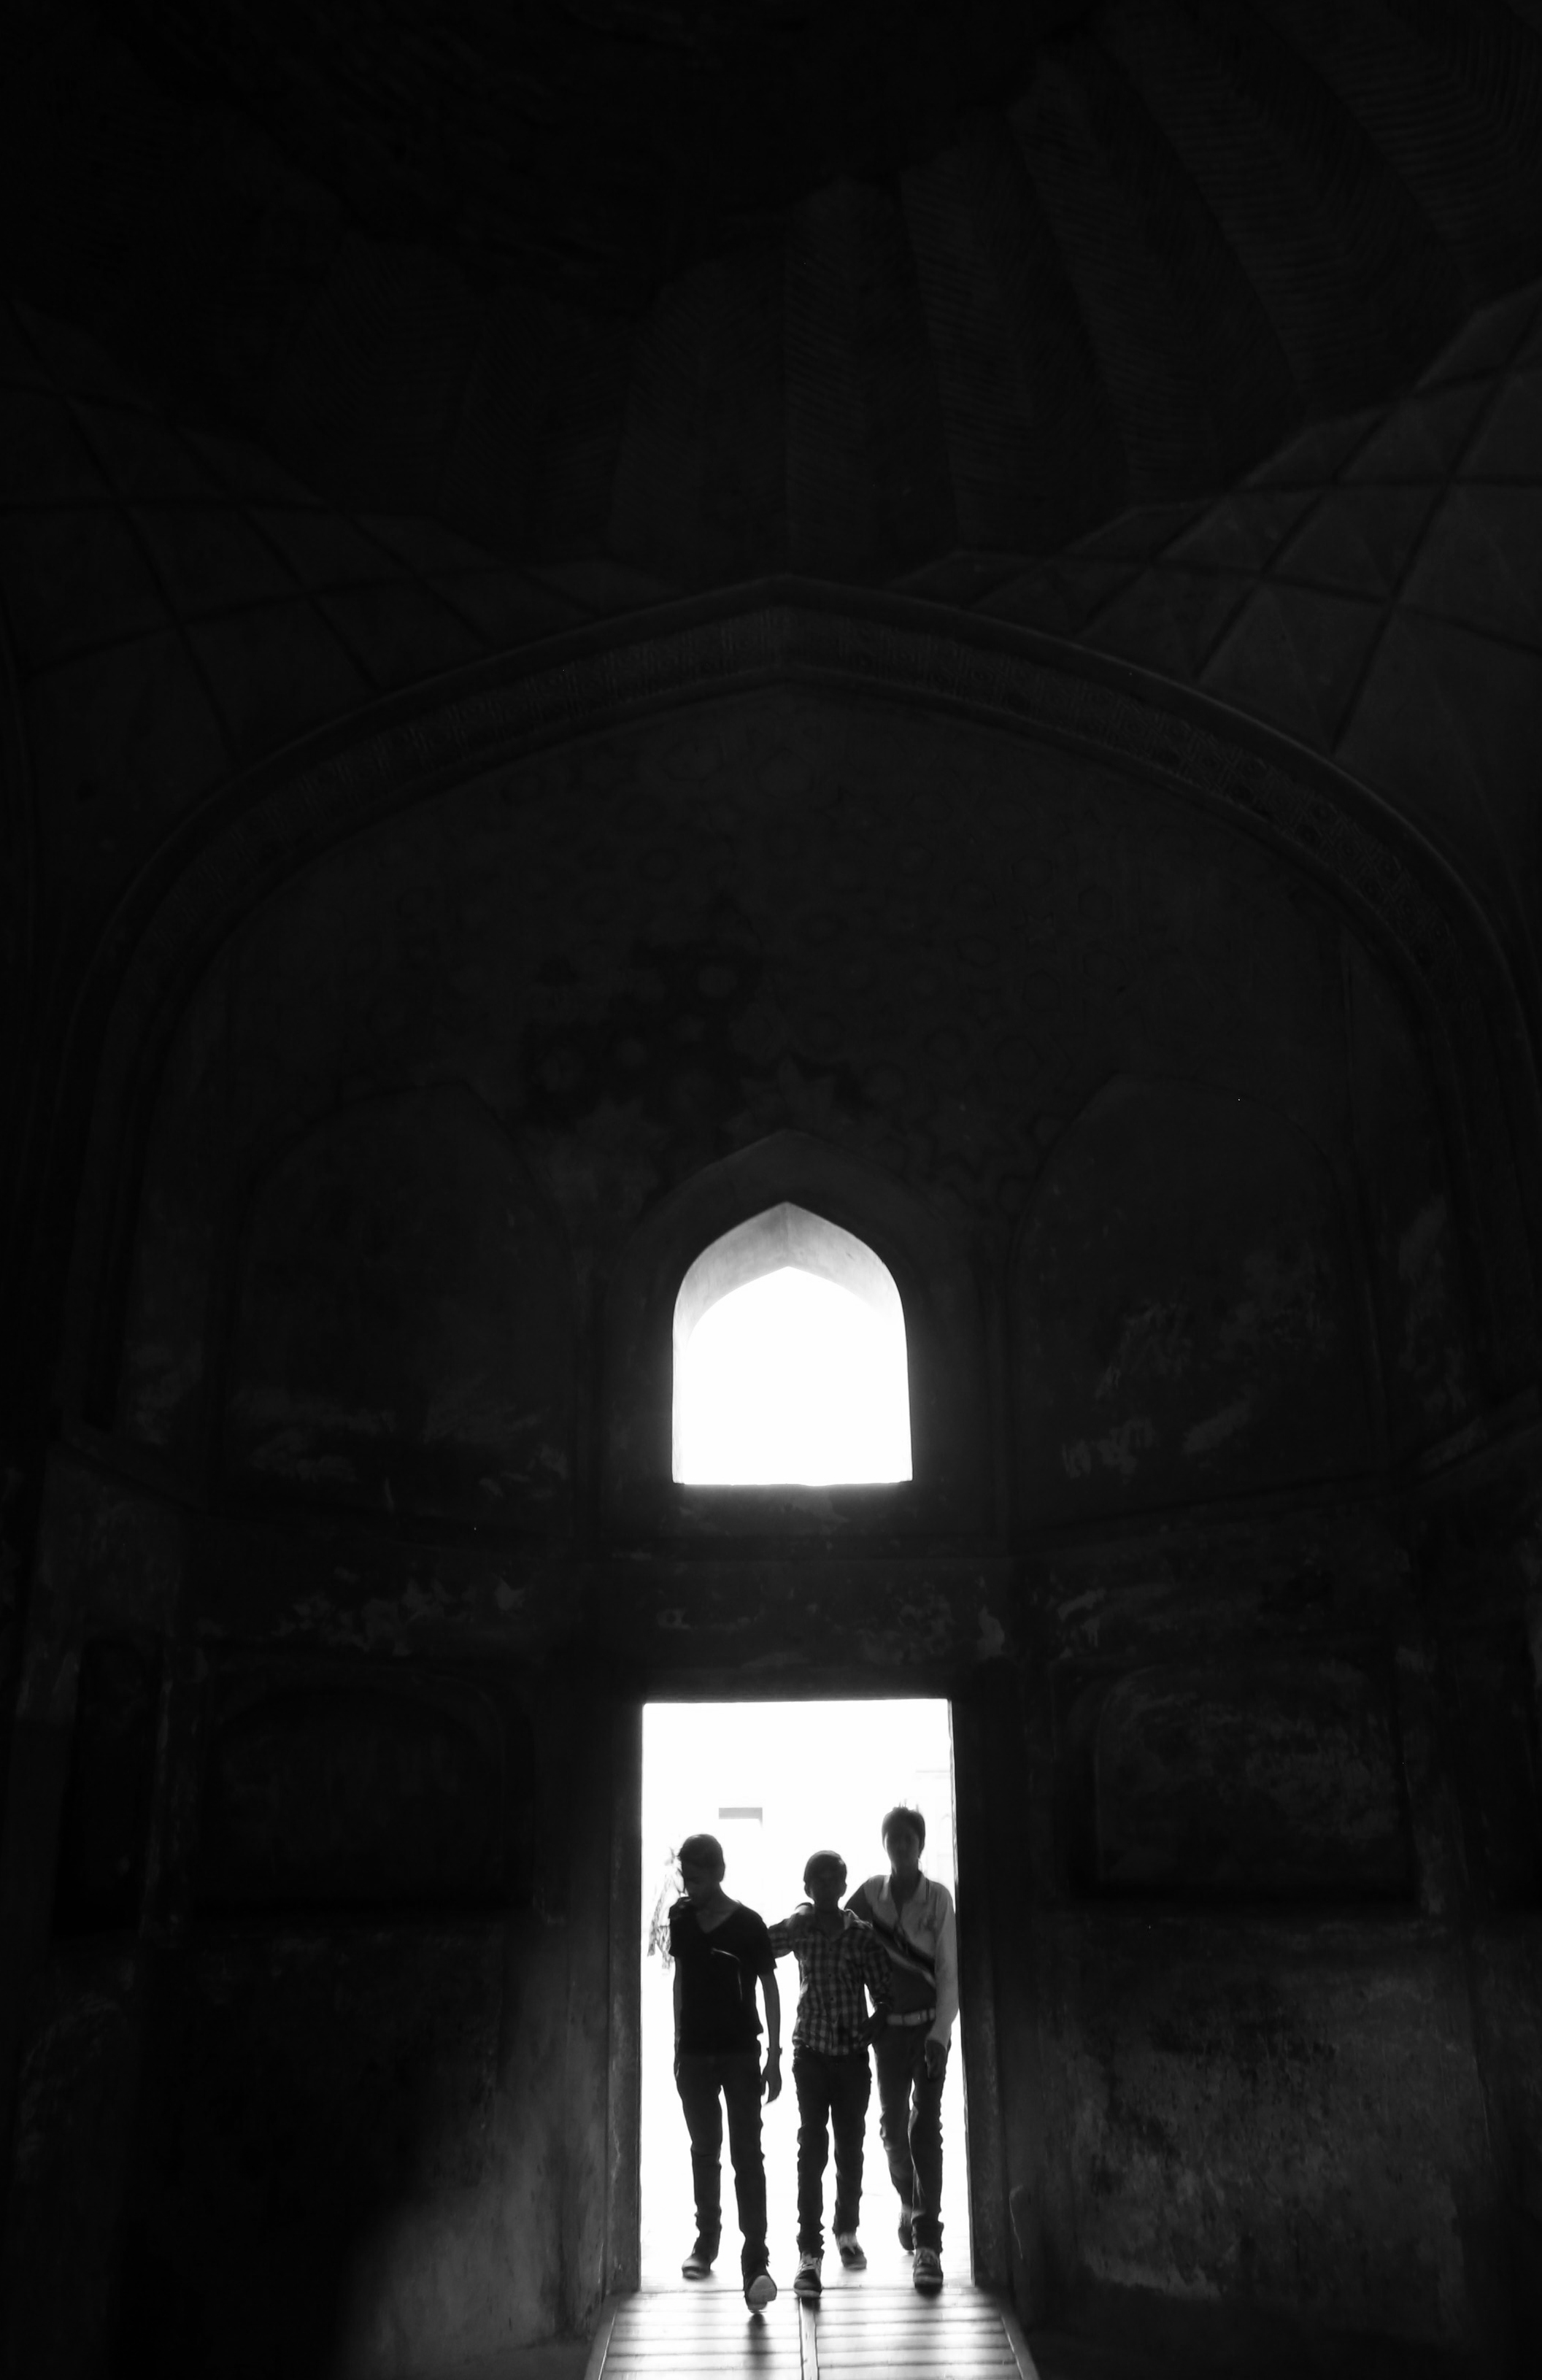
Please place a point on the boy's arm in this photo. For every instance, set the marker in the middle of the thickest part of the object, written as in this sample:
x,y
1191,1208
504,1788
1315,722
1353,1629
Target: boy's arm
x,y
784,1933
771,1994
878,1970
877,1974
676,2008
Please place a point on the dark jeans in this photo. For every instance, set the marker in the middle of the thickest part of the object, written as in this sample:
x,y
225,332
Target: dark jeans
x,y
833,2091
911,2121
699,2079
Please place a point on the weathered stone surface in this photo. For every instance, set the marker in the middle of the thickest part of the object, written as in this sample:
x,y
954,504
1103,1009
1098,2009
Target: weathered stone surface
x,y
1205,2076
1497,1756
404,1335
71,2159
326,2158
1414,1252
1268,1780
354,1790
104,1826
937,1005
1183,1308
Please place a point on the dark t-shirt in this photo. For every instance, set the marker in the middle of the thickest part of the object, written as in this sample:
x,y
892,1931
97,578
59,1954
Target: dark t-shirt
x,y
717,1978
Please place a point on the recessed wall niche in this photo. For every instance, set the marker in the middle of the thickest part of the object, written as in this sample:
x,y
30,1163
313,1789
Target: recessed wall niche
x,y
1183,1310
339,1786
1261,1777
809,1382
943,1336
105,1820
403,1335
920,946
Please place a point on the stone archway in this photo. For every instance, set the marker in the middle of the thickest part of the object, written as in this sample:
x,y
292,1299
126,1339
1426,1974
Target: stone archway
x,y
1051,1631
1179,745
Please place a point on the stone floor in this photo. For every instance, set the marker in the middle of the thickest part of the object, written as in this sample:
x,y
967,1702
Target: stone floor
x,y
860,2330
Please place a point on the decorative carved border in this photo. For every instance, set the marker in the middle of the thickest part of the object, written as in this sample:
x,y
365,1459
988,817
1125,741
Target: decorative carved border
x,y
269,824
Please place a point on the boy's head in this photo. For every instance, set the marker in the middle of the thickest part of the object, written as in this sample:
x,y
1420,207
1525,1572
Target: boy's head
x,y
701,1867
904,1839
824,1880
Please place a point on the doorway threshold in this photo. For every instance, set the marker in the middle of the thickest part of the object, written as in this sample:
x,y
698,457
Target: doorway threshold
x,y
692,2331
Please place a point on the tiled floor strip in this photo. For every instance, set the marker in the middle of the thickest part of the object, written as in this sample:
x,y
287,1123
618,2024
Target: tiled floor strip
x,y
854,2334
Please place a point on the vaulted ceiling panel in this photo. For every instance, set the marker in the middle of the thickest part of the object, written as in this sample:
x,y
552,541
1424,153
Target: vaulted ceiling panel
x,y
1195,374
1016,372
700,480
1347,265
1451,95
867,481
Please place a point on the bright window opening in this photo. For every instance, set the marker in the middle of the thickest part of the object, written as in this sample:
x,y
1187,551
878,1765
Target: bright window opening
x,y
790,1360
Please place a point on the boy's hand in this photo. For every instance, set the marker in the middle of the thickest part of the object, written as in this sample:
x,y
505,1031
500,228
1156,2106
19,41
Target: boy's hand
x,y
937,2059
877,2025
771,2079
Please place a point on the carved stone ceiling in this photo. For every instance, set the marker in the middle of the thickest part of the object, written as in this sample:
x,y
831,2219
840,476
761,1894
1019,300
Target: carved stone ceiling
x,y
600,144
736,287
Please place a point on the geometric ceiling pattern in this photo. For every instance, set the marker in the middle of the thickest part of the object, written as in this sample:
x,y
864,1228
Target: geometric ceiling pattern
x,y
180,606
715,291
1373,590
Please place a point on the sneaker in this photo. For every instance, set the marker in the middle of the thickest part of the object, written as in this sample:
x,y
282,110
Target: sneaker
x,y
806,2281
851,2252
699,2265
906,2240
758,2291
928,2274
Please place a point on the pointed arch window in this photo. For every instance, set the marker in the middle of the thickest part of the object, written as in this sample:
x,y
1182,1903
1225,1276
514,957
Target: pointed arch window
x,y
790,1364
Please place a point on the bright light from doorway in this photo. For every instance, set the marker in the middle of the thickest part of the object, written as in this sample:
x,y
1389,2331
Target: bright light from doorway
x,y
775,1781
791,1379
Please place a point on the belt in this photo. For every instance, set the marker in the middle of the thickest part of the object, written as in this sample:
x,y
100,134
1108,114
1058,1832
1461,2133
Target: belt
x,y
913,2016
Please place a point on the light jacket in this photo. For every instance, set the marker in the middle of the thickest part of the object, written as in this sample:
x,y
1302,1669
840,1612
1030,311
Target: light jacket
x,y
922,1942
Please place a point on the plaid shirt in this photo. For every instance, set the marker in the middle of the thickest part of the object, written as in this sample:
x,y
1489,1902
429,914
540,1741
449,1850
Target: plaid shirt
x,y
833,1968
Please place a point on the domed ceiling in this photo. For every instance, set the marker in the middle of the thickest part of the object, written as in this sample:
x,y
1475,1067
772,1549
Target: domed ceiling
x,y
716,289
600,145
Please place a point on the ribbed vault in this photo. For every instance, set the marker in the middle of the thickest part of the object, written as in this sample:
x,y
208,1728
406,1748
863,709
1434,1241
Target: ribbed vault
x,y
720,290
181,608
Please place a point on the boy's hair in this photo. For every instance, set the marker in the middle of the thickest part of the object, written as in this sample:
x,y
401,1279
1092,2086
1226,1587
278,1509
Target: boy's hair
x,y
702,1851
901,1817
819,1860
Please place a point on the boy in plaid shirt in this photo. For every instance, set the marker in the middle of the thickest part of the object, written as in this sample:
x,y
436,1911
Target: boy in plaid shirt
x,y
839,1960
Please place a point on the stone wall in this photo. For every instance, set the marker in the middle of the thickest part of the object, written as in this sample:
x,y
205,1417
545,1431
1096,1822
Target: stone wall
x,y
353,1586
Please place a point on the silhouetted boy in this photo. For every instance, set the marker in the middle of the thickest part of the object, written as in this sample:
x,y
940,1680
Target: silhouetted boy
x,y
913,1918
720,1949
839,1961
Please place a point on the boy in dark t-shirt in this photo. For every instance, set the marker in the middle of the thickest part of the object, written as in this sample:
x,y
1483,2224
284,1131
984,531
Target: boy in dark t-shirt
x,y
719,1949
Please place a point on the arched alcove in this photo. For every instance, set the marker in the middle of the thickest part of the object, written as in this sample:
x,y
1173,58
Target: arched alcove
x,y
403,1333
861,947
1184,1313
789,1359
1073,712
792,1198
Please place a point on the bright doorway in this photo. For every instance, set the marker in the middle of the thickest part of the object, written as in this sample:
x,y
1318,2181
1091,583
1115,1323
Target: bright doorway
x,y
775,1781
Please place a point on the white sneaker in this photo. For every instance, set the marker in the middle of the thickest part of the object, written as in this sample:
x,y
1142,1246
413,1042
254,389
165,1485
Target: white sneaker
x,y
928,2274
760,2291
806,2280
852,2254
